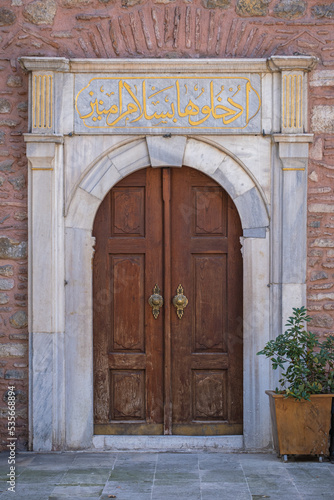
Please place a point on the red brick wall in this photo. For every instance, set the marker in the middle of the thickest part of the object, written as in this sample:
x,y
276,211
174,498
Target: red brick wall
x,y
154,28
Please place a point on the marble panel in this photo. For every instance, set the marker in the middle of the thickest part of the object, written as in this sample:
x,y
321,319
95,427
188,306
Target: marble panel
x,y
267,103
82,153
293,295
64,114
167,103
59,385
41,236
252,210
168,443
257,232
237,180
130,157
166,151
248,151
78,339
42,393
42,412
42,351
257,372
294,226
276,102
202,156
82,210
101,178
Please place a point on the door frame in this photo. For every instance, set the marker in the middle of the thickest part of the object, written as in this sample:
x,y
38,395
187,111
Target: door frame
x,y
69,175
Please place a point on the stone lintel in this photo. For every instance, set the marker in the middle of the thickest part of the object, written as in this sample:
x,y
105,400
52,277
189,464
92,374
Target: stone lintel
x,y
293,138
165,66
44,138
58,64
292,63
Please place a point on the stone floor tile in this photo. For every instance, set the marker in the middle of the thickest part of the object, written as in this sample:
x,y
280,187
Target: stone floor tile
x,y
31,491
78,491
235,476
86,476
37,476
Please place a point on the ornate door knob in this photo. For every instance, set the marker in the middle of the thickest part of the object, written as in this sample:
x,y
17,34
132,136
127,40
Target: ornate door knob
x,y
156,301
180,301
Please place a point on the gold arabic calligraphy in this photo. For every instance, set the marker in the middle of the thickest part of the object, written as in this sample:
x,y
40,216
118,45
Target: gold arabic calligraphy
x,y
222,103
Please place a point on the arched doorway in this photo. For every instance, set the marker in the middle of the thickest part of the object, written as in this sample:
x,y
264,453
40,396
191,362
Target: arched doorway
x,y
167,370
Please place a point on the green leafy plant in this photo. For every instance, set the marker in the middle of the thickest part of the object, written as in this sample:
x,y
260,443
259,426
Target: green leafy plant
x,y
307,364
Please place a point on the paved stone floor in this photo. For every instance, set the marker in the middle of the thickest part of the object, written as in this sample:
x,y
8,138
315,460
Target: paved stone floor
x,y
165,476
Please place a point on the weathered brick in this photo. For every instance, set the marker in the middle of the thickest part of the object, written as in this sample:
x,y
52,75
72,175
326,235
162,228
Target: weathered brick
x,y
40,11
9,123
6,284
322,286
322,321
6,165
2,137
323,242
322,119
247,8
14,81
7,17
19,319
12,249
5,106
7,270
322,78
314,223
321,207
20,396
313,176
18,336
318,275
212,4
22,106
71,4
323,10
130,3
4,298
12,350
321,296
329,307
315,307
18,183
315,252
290,9
15,374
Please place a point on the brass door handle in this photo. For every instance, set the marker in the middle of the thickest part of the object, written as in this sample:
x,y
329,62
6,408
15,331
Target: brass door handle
x,y
180,301
156,301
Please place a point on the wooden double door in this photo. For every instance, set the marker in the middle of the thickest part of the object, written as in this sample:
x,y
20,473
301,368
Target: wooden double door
x,y
167,370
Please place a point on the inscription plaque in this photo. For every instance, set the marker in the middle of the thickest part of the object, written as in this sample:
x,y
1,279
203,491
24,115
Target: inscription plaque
x,y
177,104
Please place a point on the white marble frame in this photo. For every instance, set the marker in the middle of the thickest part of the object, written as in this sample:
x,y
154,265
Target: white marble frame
x,y
61,249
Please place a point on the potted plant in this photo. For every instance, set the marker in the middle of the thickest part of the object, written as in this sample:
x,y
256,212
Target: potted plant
x,y
301,408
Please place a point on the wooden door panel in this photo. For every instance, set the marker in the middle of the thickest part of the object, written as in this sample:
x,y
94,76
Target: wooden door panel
x,y
128,211
210,394
206,348
128,341
210,215
210,314
127,395
127,288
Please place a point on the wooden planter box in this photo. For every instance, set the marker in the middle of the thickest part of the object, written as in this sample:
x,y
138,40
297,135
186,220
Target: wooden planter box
x,y
301,427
